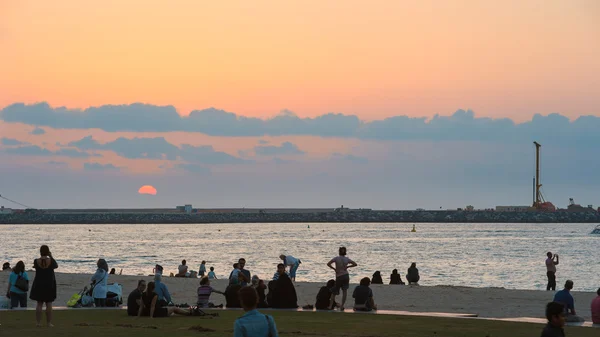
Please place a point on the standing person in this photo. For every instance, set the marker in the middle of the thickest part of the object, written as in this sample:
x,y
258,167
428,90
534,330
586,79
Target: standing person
x,y
135,298
565,298
596,308
100,283
253,323
18,285
202,270
293,263
245,272
342,277
551,263
556,320
413,274
43,289
211,274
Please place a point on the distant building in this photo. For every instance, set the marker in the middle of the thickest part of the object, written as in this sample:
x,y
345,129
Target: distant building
x,y
469,208
513,208
5,210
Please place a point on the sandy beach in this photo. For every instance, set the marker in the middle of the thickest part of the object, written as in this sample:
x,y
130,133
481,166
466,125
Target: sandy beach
x,y
486,302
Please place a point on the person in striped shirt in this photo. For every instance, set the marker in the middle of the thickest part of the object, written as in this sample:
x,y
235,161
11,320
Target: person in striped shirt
x,y
204,291
280,271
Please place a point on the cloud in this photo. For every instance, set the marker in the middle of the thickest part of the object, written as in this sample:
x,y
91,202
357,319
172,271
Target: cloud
x,y
73,153
57,164
193,168
37,131
463,125
12,142
99,167
263,142
350,158
287,148
159,148
30,150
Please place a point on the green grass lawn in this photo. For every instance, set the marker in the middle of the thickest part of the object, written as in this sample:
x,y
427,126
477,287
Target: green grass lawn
x,y
115,323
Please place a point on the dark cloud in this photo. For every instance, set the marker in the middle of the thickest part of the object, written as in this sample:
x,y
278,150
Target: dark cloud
x,y
159,148
37,131
461,126
73,153
12,142
193,168
350,158
29,150
287,148
100,167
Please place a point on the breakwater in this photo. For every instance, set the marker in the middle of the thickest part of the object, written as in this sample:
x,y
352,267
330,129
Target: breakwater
x,y
347,217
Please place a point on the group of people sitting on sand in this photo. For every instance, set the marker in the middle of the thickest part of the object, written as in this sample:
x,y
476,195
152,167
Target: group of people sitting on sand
x,y
412,277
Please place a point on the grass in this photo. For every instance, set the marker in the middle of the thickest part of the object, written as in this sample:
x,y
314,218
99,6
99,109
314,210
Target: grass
x,y
115,323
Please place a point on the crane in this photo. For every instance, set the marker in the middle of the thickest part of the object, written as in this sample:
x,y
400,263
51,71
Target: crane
x,y
538,199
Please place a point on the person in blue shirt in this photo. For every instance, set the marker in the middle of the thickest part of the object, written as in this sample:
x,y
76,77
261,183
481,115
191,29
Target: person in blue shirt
x,y
100,283
253,323
565,298
18,297
164,298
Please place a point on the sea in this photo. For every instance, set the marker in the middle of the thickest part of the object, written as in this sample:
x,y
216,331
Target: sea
x,y
473,255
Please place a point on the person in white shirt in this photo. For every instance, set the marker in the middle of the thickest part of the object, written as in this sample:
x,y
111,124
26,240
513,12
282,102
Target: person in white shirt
x,y
293,263
551,263
342,277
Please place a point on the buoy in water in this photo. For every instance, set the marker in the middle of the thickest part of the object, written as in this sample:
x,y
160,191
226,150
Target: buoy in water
x,y
308,226
414,229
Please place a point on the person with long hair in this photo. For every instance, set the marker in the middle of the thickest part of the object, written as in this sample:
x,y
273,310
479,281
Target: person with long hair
x,y
149,305
43,289
18,285
100,283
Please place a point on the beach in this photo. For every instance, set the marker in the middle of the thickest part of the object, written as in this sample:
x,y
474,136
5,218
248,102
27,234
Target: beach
x,y
486,302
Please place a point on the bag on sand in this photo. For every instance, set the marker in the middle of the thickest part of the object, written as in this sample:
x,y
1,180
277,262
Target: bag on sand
x,y
21,283
87,301
72,302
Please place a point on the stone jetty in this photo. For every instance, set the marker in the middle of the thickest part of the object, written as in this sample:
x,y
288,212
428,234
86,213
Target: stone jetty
x,y
353,216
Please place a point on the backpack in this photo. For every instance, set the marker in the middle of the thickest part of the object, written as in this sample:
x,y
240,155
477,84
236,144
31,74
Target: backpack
x,y
22,283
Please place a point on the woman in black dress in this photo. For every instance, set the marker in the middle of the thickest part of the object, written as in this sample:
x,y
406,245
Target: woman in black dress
x,y
43,289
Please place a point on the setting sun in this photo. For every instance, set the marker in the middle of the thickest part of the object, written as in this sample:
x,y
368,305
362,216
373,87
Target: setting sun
x,y
147,189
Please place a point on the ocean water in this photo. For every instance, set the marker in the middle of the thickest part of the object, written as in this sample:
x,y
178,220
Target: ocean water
x,y
476,255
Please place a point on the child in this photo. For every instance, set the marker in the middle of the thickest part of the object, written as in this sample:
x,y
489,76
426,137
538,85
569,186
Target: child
x,y
253,323
202,270
363,296
211,273
556,320
204,291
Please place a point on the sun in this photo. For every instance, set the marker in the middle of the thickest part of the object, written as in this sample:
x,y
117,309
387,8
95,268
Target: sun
x,y
147,189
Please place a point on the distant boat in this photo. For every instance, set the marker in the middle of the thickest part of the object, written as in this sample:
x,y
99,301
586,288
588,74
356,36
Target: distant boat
x,y
596,230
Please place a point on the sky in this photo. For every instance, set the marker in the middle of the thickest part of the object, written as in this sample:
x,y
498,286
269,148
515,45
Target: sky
x,y
385,105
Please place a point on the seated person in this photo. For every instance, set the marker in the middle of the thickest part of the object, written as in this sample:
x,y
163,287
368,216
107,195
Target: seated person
x,y
280,270
565,298
395,277
183,269
204,291
413,274
135,298
262,298
284,293
324,296
556,320
253,323
164,297
112,271
376,279
596,308
363,296
149,305
231,296
6,266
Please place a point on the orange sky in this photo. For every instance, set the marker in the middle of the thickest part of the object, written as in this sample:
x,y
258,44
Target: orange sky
x,y
501,59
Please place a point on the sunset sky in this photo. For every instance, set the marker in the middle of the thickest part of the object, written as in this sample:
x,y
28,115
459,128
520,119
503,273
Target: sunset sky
x,y
334,95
